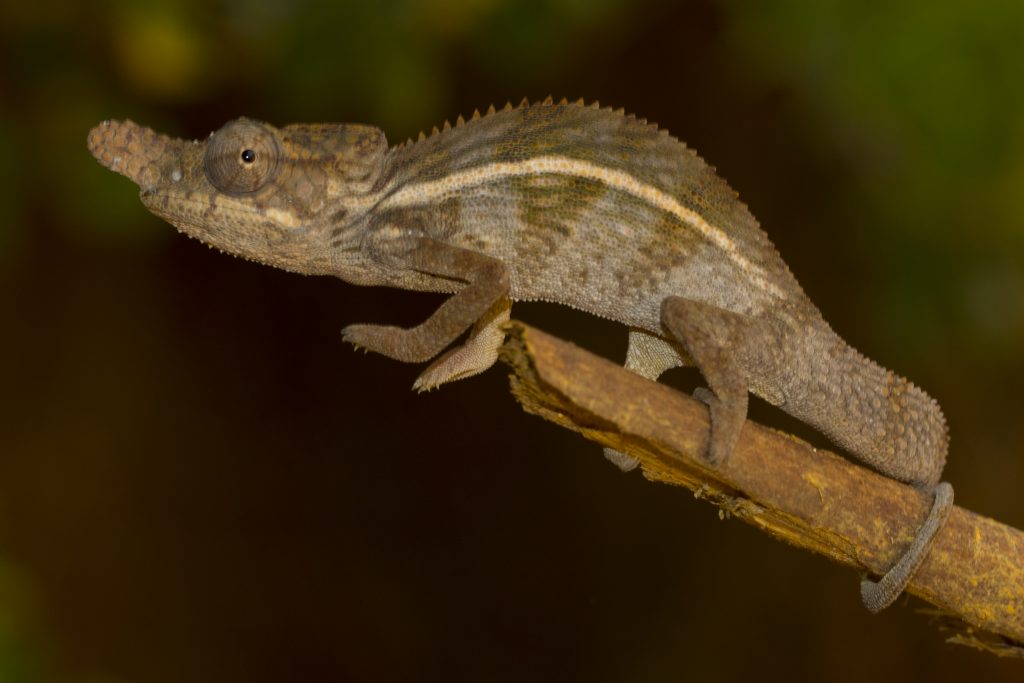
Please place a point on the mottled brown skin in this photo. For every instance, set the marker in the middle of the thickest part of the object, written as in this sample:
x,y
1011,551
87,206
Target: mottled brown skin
x,y
562,202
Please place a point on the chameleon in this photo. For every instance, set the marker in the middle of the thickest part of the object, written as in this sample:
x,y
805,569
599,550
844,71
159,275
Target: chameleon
x,y
565,202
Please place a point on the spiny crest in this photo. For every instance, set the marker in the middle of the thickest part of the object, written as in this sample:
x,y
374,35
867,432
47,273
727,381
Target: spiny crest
x,y
548,101
564,102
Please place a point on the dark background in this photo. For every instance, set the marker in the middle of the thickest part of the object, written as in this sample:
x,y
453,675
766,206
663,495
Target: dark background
x,y
200,482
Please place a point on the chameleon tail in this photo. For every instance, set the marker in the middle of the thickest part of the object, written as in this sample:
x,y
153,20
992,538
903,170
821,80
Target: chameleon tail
x,y
881,418
885,421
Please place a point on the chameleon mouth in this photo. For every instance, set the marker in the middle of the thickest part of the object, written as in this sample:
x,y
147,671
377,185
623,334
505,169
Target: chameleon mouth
x,y
134,151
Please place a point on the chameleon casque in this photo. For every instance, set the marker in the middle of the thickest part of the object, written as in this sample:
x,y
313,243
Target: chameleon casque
x,y
562,202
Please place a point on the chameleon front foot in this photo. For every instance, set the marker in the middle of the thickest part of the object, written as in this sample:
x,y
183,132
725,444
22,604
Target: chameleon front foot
x,y
486,287
476,355
393,342
879,595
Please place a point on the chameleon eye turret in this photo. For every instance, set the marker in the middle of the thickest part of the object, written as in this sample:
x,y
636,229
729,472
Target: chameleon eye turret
x,y
242,157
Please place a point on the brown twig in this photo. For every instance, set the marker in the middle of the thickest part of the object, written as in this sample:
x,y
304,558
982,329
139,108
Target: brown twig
x,y
808,497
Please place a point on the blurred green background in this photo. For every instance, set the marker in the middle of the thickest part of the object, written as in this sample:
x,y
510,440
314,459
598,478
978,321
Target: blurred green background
x,y
199,482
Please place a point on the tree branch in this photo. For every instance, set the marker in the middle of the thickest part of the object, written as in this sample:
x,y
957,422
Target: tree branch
x,y
808,497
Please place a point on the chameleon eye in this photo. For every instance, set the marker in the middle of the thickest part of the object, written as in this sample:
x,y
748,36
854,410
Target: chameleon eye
x,y
242,157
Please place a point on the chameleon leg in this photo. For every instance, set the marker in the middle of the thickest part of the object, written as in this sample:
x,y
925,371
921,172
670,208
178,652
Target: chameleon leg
x,y
476,355
715,339
879,595
647,356
486,282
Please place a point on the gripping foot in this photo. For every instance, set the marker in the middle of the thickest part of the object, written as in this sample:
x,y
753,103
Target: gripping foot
x,y
879,595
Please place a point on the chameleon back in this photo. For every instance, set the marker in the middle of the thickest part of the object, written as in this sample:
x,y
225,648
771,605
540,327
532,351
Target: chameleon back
x,y
590,208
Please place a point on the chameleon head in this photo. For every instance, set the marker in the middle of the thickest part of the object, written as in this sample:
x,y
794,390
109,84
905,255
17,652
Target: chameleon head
x,y
252,190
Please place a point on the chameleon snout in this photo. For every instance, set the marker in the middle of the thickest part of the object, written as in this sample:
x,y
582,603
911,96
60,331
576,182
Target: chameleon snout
x,y
138,153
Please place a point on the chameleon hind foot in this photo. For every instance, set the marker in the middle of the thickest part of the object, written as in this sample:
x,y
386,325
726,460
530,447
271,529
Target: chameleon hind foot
x,y
626,463
648,356
716,340
879,595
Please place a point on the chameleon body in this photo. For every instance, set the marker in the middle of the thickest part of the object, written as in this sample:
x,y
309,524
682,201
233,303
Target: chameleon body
x,y
560,202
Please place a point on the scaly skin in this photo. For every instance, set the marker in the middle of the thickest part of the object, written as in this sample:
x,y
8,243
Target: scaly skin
x,y
573,204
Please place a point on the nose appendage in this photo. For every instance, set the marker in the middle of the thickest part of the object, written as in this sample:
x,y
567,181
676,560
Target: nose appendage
x,y
136,152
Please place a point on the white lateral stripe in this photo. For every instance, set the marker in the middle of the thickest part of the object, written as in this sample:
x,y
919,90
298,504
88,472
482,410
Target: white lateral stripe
x,y
428,192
